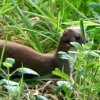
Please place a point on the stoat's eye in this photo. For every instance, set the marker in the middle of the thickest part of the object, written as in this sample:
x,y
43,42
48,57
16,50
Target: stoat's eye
x,y
78,37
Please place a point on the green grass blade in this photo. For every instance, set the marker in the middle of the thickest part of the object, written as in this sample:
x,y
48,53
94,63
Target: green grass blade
x,y
75,9
26,22
82,27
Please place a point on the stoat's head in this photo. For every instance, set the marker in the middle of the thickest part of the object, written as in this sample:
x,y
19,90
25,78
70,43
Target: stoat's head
x,y
72,34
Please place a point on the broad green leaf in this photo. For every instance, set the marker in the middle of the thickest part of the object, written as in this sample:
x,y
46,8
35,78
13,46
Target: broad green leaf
x,y
27,71
66,83
6,64
8,82
59,73
40,97
64,55
92,53
12,88
76,45
10,60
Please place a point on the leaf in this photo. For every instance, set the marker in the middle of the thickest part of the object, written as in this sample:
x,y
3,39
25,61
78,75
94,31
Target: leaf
x,y
97,51
12,88
39,97
76,45
10,60
59,73
62,88
92,53
64,55
8,82
71,57
27,71
66,83
88,45
6,64
95,8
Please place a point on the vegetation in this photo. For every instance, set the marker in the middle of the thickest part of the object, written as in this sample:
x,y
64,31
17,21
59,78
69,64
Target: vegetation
x,y
38,24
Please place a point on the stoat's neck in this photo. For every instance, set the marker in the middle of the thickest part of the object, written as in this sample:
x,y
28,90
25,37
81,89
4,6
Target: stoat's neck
x,y
64,48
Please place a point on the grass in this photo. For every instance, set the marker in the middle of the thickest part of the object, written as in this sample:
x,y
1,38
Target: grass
x,y
38,24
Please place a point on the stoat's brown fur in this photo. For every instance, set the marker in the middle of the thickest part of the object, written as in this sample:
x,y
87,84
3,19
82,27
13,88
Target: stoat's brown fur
x,y
42,63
